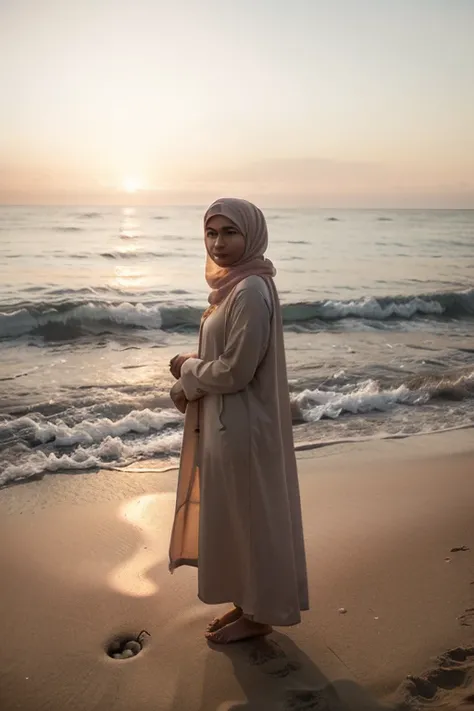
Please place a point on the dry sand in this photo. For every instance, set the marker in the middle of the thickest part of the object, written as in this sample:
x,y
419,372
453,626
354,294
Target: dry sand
x,y
84,559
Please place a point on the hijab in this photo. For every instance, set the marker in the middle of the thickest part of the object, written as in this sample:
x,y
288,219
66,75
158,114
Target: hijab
x,y
250,221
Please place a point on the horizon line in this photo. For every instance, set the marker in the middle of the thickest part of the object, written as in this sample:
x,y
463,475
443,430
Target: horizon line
x,y
130,205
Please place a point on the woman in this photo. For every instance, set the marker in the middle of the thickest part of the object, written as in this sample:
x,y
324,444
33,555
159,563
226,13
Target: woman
x,y
238,512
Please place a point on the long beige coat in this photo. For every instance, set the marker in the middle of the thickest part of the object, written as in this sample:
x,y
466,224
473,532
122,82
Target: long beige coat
x,y
238,513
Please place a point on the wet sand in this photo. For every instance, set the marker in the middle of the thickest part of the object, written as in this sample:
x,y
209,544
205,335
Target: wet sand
x,y
84,560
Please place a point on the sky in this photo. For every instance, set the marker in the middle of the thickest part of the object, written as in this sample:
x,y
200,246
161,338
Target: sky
x,y
348,103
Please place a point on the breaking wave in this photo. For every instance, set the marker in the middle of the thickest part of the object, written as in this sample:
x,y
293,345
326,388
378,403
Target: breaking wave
x,y
89,444
36,444
76,317
370,396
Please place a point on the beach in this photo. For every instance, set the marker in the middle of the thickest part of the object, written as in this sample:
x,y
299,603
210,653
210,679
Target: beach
x,y
86,563
132,190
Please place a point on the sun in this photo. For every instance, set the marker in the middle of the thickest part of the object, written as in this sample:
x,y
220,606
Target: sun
x,y
131,184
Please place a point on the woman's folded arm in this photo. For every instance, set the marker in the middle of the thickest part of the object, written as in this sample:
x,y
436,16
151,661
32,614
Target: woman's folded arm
x,y
245,348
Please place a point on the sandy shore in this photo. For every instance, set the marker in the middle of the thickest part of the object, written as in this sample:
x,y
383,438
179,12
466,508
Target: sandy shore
x,y
84,559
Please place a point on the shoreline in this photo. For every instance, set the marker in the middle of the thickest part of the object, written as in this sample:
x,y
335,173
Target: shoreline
x,y
300,446
362,385
86,559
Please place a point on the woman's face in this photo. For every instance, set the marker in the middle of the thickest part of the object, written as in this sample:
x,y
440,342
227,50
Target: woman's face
x,y
224,243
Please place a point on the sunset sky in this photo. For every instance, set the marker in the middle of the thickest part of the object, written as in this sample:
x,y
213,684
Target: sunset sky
x,y
343,103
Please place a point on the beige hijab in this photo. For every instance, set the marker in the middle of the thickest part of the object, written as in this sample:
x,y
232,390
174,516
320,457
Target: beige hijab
x,y
251,223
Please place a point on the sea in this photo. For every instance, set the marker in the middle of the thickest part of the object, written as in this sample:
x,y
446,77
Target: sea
x,y
378,310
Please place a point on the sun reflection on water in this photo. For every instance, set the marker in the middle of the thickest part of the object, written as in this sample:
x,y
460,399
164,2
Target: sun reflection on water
x,y
128,249
129,224
127,277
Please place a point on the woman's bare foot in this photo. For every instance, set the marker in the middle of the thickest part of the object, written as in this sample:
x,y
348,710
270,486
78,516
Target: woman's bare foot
x,y
227,619
241,629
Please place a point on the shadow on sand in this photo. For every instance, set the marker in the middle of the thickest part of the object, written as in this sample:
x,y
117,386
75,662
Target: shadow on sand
x,y
275,675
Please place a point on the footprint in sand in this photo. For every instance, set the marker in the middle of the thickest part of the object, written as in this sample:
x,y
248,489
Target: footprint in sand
x,y
310,699
450,684
467,617
272,658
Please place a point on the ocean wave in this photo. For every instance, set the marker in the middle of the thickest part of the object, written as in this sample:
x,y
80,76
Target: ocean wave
x,y
364,398
90,443
72,320
35,443
88,215
68,228
87,432
134,255
371,396
109,453
79,316
448,304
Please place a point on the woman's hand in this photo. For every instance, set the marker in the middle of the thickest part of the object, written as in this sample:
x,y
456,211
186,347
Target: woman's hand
x,y
178,397
180,402
176,363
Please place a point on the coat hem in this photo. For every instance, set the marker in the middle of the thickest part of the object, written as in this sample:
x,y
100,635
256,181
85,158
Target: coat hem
x,y
179,562
264,621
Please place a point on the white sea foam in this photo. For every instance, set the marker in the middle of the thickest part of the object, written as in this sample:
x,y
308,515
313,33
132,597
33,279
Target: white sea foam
x,y
365,397
88,432
105,443
110,450
24,321
371,308
35,317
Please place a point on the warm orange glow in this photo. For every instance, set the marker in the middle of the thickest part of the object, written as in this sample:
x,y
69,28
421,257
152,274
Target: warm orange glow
x,y
103,122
